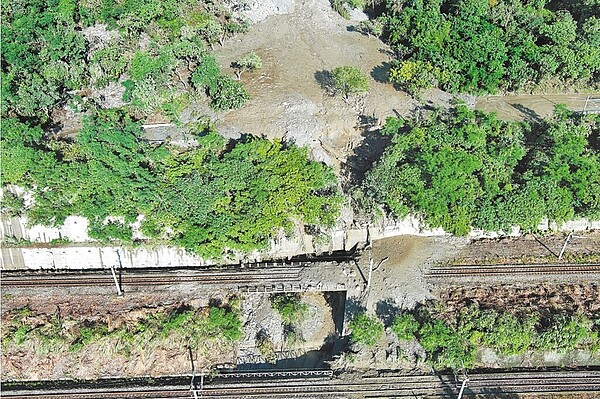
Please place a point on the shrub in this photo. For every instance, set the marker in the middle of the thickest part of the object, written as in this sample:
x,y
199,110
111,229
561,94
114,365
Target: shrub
x,y
226,323
343,7
405,326
565,333
349,80
371,27
413,76
293,336
213,197
12,205
110,231
228,94
459,169
20,334
89,334
265,347
207,74
366,330
501,331
290,308
248,62
510,335
183,326
176,320
145,65
446,347
108,64
487,46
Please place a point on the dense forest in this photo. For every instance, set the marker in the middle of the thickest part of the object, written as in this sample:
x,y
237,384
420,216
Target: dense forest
x,y
210,198
481,46
217,197
460,168
56,52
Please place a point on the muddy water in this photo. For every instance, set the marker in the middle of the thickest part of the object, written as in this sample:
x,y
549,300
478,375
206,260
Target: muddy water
x,y
528,107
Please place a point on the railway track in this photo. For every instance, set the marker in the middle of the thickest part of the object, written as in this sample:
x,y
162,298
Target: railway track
x,y
132,278
421,386
554,269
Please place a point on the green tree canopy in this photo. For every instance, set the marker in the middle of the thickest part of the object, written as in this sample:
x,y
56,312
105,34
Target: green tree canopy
x,y
481,46
349,80
460,169
213,198
239,199
249,62
55,50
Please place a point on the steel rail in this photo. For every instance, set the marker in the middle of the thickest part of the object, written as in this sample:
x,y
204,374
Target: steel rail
x,y
132,279
399,386
513,269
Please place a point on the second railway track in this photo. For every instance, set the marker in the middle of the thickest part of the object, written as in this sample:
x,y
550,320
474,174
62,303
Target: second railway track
x,y
422,386
554,269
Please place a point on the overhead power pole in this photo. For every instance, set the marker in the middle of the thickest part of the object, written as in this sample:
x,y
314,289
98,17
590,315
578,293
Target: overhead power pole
x,y
462,388
114,274
562,251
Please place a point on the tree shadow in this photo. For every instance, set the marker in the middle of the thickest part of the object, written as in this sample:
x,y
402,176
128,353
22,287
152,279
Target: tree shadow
x,y
215,302
374,9
353,307
528,114
370,149
335,344
298,359
337,303
381,72
489,393
594,140
387,310
325,80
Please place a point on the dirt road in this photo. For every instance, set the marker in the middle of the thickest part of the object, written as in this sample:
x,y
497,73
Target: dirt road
x,y
532,107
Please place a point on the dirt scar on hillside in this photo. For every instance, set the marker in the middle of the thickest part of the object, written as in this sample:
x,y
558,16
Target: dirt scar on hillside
x,y
287,99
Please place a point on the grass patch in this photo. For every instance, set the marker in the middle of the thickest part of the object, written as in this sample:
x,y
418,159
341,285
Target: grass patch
x,y
366,330
182,327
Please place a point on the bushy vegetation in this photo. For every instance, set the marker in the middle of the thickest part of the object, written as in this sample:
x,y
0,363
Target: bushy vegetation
x,y
453,342
53,51
106,171
182,327
293,312
405,326
460,169
481,46
265,346
249,62
290,307
348,80
224,92
213,197
366,330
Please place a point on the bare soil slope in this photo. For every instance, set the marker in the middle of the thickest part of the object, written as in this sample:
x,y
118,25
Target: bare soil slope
x,y
288,100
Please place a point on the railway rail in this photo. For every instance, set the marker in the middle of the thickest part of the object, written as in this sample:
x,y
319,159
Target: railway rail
x,y
540,269
134,278
315,386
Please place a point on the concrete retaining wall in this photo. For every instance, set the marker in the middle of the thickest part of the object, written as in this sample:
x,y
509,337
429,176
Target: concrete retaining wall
x,y
83,254
94,257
